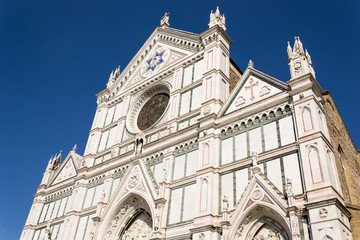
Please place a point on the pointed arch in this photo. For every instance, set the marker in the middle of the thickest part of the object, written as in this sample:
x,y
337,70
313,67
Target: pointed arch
x,y
307,119
204,195
315,166
118,218
255,219
205,154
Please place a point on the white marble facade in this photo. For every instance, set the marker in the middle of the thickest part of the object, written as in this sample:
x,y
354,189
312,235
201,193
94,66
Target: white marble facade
x,y
253,163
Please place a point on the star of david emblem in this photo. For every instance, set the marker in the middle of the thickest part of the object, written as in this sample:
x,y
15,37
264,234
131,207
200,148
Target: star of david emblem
x,y
155,61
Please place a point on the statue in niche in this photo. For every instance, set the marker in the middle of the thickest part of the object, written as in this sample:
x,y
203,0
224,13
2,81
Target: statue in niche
x,y
254,158
103,195
164,172
225,203
48,230
156,222
289,190
138,146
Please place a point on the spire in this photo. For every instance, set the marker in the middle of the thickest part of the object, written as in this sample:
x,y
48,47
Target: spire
x,y
299,60
298,47
217,19
74,148
289,50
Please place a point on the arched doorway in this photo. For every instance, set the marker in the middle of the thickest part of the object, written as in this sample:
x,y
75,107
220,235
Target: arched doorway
x,y
269,232
260,223
131,221
138,227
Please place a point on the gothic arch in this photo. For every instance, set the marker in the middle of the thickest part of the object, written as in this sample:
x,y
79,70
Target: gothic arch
x,y
121,214
255,219
307,119
315,165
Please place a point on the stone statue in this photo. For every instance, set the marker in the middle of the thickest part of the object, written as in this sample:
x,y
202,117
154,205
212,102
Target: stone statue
x,y
138,146
308,57
289,190
103,195
254,158
157,222
164,172
48,230
289,50
225,203
165,19
117,72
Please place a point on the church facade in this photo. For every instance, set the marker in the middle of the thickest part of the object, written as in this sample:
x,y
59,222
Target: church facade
x,y
184,145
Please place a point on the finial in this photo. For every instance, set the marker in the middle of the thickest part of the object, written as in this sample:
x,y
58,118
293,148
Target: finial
x,y
217,19
165,20
289,50
251,64
308,57
74,148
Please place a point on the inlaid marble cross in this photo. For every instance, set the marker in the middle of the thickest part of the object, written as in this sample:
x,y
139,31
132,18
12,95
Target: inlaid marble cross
x,y
251,87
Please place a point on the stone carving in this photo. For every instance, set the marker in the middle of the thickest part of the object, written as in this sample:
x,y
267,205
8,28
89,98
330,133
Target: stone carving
x,y
139,142
272,235
247,219
225,203
207,110
264,90
165,19
256,195
134,180
139,229
217,19
289,188
308,57
254,158
239,231
131,204
240,101
251,87
103,195
157,222
48,230
201,236
323,213
164,175
251,64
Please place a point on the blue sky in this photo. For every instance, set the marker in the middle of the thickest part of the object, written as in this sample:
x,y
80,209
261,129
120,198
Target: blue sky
x,y
55,55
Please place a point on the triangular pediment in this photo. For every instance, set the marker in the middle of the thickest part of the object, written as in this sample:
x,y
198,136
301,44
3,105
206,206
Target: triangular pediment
x,y
253,87
67,169
136,180
260,192
260,203
164,48
135,188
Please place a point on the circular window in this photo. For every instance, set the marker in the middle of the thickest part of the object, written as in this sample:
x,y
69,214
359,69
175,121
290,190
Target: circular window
x,y
152,111
148,109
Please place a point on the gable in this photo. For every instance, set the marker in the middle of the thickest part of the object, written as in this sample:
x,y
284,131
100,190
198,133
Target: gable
x,y
163,48
68,171
254,87
159,58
